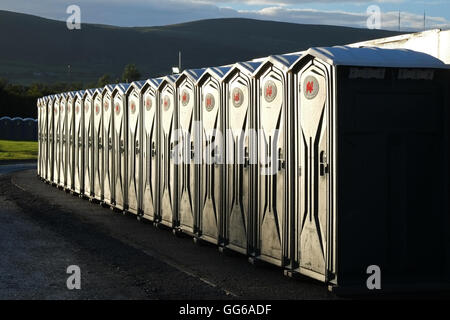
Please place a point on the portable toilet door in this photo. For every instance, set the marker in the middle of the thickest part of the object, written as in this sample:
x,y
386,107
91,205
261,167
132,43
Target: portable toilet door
x,y
39,159
167,207
44,166
63,140
88,128
98,145
120,145
271,229
134,139
108,146
57,141
79,141
239,112
50,130
70,161
211,155
186,93
365,145
149,198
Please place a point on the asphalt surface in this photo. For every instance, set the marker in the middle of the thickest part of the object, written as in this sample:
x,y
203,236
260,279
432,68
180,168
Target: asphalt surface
x,y
44,230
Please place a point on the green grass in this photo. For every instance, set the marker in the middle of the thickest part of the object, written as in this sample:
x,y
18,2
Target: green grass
x,y
18,150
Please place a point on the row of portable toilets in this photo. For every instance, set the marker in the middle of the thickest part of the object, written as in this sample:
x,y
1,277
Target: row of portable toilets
x,y
18,129
336,159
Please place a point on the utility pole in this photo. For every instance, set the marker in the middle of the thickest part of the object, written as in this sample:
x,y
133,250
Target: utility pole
x,y
399,20
179,60
424,20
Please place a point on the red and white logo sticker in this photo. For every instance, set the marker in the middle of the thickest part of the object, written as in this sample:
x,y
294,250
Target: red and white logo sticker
x,y
106,106
270,91
310,87
117,108
166,103
148,103
209,102
97,109
133,107
77,109
185,97
238,97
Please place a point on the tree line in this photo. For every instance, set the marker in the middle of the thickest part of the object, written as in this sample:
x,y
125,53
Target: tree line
x,y
20,101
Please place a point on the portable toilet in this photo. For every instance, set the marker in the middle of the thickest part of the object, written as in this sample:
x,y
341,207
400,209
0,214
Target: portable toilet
x,y
44,157
239,138
50,131
70,137
372,179
108,146
149,198
271,230
186,102
29,129
63,140
98,145
211,155
57,141
79,142
38,105
120,144
17,129
88,128
167,207
134,117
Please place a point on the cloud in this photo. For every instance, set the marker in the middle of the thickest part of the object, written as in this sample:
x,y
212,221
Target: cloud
x,y
155,12
389,20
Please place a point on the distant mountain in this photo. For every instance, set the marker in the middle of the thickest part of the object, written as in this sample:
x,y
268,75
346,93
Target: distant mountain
x,y
35,49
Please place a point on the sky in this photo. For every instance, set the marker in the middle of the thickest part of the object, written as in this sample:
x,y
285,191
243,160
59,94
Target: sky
x,y
353,13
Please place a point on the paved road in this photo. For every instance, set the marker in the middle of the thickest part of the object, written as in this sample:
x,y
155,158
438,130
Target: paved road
x,y
44,230
9,168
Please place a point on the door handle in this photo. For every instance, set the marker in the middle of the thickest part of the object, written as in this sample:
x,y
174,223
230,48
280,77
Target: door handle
x,y
246,158
121,147
281,161
153,149
137,149
192,150
323,167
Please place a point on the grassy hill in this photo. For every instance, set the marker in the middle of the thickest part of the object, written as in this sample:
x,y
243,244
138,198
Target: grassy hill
x,y
35,49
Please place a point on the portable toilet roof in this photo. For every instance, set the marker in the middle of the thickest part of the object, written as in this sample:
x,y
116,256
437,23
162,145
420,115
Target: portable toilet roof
x,y
191,74
154,82
121,87
88,92
168,79
136,85
97,91
5,118
374,57
80,93
217,72
108,88
71,94
17,119
285,61
29,119
248,67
